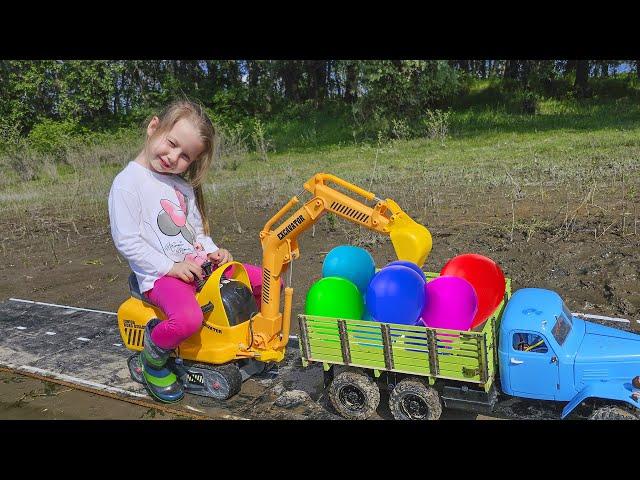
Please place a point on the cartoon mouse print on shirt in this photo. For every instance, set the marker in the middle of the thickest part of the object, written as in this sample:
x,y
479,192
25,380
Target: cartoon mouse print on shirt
x,y
172,221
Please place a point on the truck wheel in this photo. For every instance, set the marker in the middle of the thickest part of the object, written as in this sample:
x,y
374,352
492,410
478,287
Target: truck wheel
x,y
414,399
354,395
612,413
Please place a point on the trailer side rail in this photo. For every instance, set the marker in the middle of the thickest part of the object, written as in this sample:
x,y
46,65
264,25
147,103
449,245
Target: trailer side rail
x,y
432,352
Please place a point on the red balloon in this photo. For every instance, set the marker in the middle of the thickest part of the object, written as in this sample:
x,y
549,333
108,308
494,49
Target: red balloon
x,y
485,276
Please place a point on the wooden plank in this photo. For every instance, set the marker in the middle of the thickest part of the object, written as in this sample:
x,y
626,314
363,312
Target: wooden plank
x,y
463,359
317,324
465,351
388,352
321,357
465,346
413,356
363,355
369,327
433,353
411,368
358,365
452,360
323,334
359,338
409,340
468,380
322,330
327,342
325,351
457,374
409,349
371,346
317,351
367,362
409,353
456,341
305,348
457,352
344,342
333,347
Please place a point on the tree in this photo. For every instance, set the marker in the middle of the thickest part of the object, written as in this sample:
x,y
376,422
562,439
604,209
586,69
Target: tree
x,y
580,85
316,73
511,69
569,67
351,81
290,73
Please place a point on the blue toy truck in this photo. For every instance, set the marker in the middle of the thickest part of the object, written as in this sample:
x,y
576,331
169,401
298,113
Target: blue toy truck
x,y
543,352
546,353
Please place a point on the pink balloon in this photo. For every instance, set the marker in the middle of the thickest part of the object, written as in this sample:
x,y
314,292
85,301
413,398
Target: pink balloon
x,y
451,302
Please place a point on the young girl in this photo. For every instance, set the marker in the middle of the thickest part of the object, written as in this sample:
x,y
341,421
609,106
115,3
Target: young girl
x,y
159,224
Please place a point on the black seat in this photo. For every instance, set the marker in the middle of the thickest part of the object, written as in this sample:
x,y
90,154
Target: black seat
x,y
134,288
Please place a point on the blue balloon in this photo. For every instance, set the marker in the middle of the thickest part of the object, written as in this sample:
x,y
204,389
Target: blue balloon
x,y
352,263
411,265
396,294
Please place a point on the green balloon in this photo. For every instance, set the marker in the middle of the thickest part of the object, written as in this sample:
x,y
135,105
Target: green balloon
x,y
334,297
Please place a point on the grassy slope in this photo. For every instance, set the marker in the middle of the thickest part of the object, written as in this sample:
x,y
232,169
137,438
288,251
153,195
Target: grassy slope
x,y
568,145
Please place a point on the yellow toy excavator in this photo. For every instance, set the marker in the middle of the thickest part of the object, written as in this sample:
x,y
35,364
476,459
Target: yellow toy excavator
x,y
238,340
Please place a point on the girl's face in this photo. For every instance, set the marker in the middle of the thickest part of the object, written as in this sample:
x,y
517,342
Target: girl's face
x,y
175,150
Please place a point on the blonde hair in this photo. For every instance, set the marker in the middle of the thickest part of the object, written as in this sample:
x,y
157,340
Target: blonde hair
x,y
197,171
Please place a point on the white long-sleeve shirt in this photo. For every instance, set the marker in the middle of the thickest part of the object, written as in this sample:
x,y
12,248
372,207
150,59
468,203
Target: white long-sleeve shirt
x,y
155,222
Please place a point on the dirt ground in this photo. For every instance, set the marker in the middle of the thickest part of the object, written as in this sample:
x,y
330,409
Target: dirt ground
x,y
25,398
594,275
538,244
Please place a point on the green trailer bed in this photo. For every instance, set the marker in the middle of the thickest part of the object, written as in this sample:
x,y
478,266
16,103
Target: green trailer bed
x,y
468,356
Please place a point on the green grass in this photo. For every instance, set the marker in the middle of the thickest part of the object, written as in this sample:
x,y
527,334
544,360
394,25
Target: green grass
x,y
568,146
314,130
554,115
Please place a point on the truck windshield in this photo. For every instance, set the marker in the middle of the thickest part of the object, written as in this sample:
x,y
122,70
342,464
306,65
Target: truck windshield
x,y
561,329
567,313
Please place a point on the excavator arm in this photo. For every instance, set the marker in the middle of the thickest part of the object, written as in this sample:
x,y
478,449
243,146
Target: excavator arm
x,y
410,240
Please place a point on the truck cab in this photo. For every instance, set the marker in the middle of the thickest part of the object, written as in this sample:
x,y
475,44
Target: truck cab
x,y
546,353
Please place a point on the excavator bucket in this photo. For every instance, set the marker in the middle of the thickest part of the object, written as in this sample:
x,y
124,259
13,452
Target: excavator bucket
x,y
411,241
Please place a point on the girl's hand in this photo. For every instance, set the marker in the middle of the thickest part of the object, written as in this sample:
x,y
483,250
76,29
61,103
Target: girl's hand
x,y
186,271
220,257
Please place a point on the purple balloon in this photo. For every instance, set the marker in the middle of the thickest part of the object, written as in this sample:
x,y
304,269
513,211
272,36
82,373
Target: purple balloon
x,y
451,303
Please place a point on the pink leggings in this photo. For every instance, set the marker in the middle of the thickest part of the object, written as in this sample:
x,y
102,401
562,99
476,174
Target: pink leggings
x,y
177,299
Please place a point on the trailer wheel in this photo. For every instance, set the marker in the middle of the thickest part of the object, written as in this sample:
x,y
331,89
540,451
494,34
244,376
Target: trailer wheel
x,y
414,399
612,413
354,395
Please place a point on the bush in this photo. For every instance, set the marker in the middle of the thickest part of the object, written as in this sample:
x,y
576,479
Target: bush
x,y
400,130
528,102
436,123
230,106
55,137
404,88
232,146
